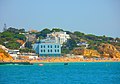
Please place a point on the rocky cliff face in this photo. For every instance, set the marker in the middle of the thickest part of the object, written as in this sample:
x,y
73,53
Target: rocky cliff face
x,y
86,52
118,48
105,50
108,50
77,51
91,53
4,56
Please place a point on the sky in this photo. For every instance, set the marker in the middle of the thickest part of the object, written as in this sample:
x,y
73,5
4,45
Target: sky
x,y
99,17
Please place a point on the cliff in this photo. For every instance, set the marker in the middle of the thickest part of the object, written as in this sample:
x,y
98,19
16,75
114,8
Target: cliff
x,y
86,52
91,53
4,56
108,50
118,48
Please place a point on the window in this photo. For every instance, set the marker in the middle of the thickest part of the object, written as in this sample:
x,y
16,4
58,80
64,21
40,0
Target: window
x,y
41,46
58,46
48,50
48,46
55,46
55,50
51,46
44,50
51,50
41,50
58,50
44,46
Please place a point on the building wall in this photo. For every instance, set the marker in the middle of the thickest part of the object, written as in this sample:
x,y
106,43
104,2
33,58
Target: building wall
x,y
36,47
62,36
48,49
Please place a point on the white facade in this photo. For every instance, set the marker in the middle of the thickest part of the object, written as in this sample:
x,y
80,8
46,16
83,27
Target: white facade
x,y
14,53
83,43
30,55
60,37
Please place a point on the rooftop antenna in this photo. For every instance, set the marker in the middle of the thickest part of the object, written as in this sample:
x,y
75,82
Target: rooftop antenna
x,y
5,27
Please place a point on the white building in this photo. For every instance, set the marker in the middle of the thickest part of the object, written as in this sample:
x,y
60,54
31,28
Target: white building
x,y
60,37
29,55
83,44
14,53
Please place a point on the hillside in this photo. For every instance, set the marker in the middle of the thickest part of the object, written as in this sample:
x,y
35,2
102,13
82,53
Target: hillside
x,y
13,38
10,37
109,50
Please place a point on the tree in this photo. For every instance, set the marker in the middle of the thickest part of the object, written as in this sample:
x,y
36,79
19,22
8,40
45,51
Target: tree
x,y
7,36
13,30
65,49
79,34
44,32
13,45
28,45
20,37
71,44
22,30
56,30
26,50
38,35
91,37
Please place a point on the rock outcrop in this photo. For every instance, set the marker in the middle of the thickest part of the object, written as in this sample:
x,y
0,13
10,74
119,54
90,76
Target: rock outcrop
x,y
118,48
108,50
91,53
86,52
4,56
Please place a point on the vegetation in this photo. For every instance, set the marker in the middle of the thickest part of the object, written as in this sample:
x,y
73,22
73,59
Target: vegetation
x,y
44,32
12,45
10,36
56,30
28,45
27,50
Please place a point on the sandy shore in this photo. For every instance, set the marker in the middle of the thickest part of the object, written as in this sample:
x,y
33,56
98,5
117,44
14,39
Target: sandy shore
x,y
65,59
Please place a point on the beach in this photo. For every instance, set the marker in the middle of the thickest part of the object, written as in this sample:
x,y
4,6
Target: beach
x,y
66,59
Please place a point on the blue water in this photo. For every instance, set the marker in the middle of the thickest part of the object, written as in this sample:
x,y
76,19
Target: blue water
x,y
58,73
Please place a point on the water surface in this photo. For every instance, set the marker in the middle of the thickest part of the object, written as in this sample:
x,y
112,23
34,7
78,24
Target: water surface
x,y
58,73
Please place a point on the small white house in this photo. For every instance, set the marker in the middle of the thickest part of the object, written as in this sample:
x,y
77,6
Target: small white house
x,y
83,44
30,55
14,53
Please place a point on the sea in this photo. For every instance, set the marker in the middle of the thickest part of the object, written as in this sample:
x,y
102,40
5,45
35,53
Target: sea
x,y
60,73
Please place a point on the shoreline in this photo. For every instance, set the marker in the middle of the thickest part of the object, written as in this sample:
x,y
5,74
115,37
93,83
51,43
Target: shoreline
x,y
34,61
77,62
61,60
63,63
72,62
51,63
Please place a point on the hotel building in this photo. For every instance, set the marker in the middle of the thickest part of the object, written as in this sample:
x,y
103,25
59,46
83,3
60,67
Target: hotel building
x,y
47,47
